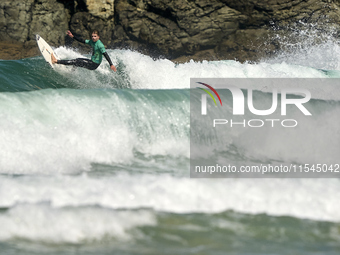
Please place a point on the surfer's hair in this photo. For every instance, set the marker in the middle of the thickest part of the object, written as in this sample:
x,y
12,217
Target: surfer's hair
x,y
95,32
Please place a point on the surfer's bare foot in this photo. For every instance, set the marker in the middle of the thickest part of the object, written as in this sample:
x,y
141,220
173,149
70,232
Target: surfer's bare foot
x,y
53,59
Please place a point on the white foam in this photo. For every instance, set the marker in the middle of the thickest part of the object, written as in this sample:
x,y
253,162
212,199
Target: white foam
x,y
54,131
314,199
69,225
166,74
64,131
309,45
315,139
139,71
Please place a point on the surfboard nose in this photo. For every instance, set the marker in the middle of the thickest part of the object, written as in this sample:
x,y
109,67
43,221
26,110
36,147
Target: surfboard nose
x,y
37,37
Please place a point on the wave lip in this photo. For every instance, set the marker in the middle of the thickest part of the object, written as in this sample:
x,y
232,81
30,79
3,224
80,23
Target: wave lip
x,y
34,74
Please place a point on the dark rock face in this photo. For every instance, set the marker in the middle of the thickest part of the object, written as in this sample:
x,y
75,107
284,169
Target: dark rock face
x,y
178,29
83,23
214,29
21,20
175,29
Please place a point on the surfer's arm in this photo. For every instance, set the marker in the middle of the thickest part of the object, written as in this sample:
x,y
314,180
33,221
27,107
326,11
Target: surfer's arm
x,y
113,68
108,58
79,39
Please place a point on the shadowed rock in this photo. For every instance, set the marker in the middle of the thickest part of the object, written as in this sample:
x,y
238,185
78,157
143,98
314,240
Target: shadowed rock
x,y
175,29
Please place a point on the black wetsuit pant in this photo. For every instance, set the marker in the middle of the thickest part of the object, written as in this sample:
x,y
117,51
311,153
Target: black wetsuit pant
x,y
80,62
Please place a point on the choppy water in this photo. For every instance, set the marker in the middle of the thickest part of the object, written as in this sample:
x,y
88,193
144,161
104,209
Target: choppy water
x,y
93,162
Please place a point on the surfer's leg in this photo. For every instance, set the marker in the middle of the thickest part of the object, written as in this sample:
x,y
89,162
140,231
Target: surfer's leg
x,y
53,59
71,62
79,62
86,63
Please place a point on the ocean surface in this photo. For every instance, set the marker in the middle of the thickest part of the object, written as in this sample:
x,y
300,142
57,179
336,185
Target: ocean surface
x,y
96,162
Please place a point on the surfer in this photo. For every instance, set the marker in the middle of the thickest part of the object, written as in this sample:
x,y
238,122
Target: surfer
x,y
97,55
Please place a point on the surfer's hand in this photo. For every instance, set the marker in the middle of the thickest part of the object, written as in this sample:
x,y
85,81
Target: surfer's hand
x,y
113,68
69,34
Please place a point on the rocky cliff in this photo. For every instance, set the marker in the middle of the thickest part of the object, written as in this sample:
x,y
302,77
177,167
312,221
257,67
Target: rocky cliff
x,y
175,29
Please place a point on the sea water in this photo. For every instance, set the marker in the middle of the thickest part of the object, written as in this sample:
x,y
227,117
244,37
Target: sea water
x,y
96,162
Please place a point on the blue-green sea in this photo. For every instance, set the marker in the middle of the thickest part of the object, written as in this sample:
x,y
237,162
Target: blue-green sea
x,y
96,162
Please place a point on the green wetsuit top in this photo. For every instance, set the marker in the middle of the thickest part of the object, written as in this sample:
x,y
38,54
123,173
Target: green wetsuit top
x,y
98,50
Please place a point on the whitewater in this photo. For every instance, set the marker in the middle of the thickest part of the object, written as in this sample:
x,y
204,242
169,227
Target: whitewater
x,y
98,162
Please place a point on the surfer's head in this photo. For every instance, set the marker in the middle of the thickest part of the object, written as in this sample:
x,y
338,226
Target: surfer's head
x,y
95,35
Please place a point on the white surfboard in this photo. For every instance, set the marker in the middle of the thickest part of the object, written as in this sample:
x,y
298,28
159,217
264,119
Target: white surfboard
x,y
45,50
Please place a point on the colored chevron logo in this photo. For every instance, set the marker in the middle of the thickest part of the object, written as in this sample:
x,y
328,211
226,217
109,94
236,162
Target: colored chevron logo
x,y
209,93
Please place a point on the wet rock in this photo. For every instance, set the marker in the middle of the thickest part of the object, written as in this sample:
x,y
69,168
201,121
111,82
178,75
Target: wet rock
x,y
20,21
181,29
